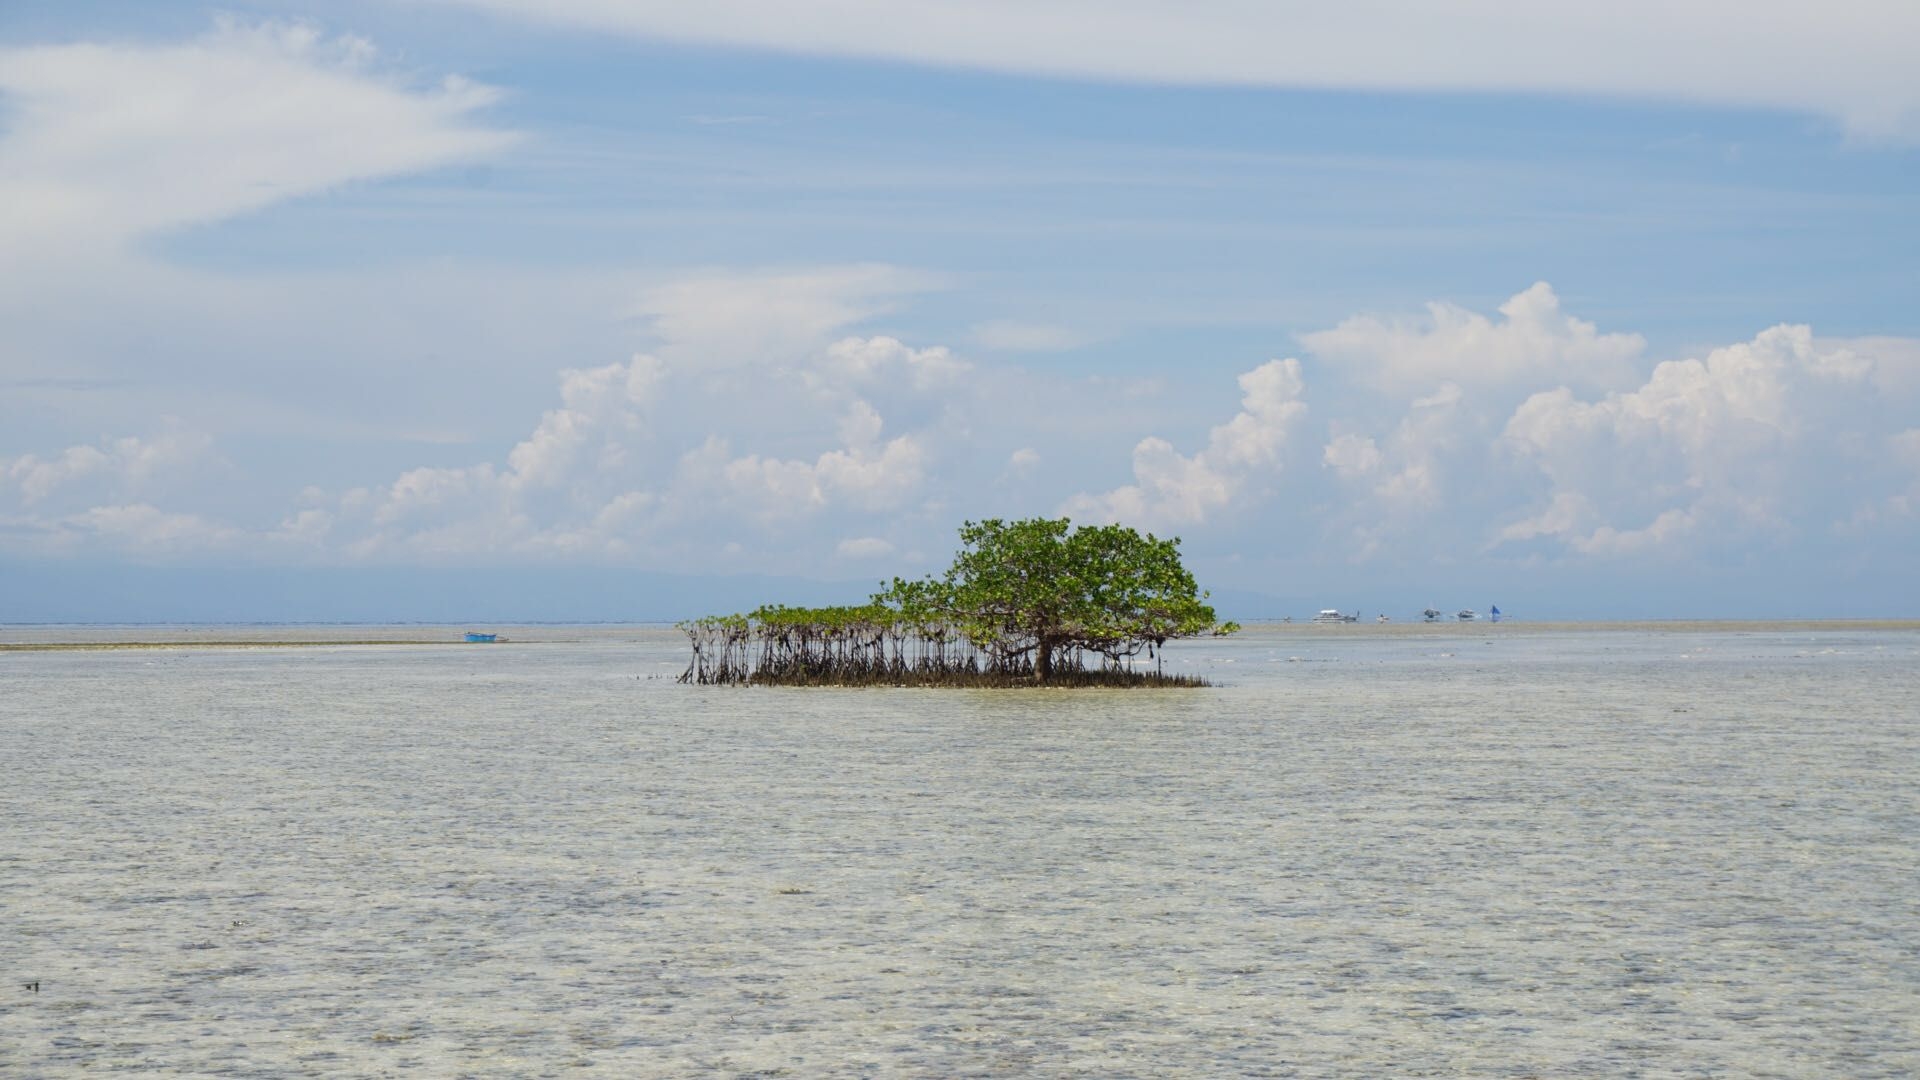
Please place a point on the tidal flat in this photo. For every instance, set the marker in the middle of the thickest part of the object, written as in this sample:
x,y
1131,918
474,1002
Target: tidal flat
x,y
1461,849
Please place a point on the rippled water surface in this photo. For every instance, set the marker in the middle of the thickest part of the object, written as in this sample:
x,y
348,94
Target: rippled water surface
x,y
1487,851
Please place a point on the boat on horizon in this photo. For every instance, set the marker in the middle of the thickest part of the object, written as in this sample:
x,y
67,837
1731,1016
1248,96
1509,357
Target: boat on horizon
x,y
1466,615
476,636
1332,615
1432,614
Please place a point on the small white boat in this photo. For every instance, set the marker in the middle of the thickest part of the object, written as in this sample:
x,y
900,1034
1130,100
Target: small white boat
x,y
1466,615
1332,615
1383,618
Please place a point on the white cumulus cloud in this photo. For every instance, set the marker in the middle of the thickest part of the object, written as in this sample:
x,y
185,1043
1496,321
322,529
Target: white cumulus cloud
x,y
863,360
1176,489
733,319
833,442
1534,341
866,475
864,547
1726,439
124,464
654,453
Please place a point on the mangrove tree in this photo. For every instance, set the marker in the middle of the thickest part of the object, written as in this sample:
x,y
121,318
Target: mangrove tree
x,y
1037,601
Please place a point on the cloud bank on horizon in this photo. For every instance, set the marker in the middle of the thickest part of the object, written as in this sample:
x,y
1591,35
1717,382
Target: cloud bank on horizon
x,y
819,443
792,410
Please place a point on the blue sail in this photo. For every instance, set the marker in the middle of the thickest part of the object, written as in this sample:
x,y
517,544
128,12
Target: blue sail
x,y
1496,613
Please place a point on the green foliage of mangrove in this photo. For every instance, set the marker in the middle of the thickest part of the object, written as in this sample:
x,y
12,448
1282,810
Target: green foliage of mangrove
x,y
1025,602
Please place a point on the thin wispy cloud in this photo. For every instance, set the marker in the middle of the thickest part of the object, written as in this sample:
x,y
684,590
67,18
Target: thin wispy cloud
x,y
107,144
1851,62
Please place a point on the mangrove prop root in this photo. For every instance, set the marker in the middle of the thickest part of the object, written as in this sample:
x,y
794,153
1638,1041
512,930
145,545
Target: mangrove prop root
x,y
791,647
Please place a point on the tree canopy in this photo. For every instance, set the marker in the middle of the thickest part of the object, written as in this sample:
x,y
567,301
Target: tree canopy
x,y
1042,587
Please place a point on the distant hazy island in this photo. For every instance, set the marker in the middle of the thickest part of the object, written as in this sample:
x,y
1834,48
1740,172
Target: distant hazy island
x,y
1026,603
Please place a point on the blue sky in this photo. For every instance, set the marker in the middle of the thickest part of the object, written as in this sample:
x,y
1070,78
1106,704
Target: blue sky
x,y
1585,314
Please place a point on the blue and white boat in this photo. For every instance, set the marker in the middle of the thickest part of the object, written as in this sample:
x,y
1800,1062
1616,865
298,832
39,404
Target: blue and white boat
x,y
473,636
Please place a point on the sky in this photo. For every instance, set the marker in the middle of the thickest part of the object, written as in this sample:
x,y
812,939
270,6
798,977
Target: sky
x,y
599,310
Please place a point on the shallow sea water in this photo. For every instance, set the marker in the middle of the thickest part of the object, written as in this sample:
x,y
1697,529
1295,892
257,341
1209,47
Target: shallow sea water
x,y
1477,851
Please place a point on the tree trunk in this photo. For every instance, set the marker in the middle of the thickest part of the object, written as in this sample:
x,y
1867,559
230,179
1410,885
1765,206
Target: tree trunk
x,y
1043,660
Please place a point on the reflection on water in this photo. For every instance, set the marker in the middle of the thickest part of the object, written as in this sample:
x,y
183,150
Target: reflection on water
x,y
1483,851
